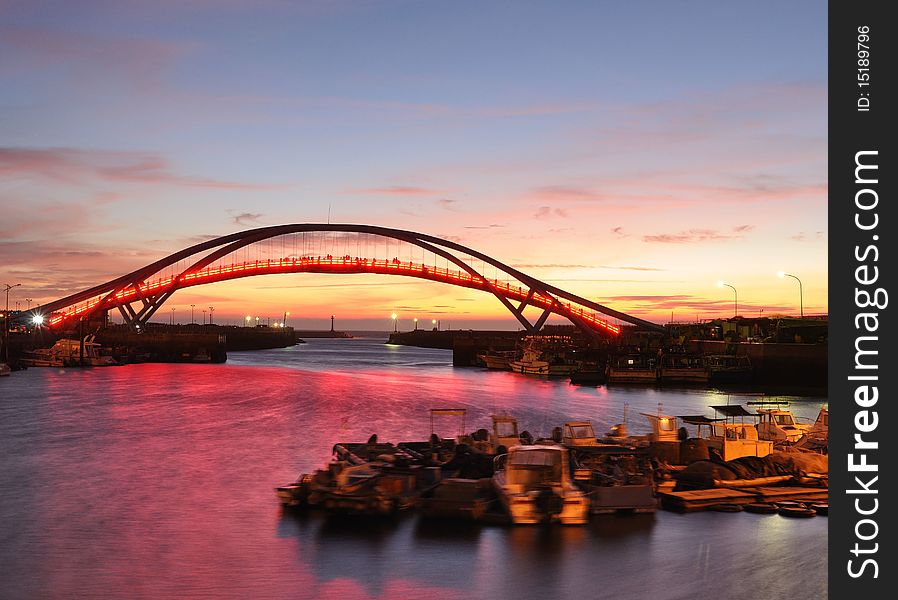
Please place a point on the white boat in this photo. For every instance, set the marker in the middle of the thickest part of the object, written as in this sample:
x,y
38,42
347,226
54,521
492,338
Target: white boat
x,y
69,353
534,485
530,363
779,425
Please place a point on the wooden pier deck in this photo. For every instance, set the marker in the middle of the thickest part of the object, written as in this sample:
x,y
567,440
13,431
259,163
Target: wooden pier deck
x,y
695,500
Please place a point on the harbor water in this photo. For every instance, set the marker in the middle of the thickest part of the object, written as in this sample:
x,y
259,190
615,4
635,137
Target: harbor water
x,y
157,481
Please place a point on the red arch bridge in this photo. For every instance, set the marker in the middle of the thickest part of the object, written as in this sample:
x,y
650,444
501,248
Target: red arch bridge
x,y
333,248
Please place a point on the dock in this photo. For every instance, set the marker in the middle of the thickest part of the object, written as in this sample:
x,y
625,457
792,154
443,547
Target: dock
x,y
696,500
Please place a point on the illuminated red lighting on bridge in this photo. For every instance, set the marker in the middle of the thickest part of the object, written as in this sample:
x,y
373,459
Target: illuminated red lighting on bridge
x,y
344,265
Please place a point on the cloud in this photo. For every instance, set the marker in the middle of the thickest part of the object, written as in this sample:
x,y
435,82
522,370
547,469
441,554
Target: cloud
x,y
556,193
71,166
490,226
247,218
688,237
545,212
578,266
743,228
398,190
619,232
446,203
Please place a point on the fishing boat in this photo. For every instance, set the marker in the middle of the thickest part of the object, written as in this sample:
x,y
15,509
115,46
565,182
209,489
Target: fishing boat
x,y
779,425
729,369
69,353
497,361
534,485
616,475
730,439
632,368
530,363
369,479
683,368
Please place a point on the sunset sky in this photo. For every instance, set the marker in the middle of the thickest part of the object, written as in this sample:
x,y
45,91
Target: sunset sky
x,y
632,153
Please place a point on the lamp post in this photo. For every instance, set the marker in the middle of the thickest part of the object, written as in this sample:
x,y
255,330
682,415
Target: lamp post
x,y
28,300
192,320
6,323
204,316
332,323
735,296
434,323
416,323
781,274
211,310
248,319
171,320
284,322
395,323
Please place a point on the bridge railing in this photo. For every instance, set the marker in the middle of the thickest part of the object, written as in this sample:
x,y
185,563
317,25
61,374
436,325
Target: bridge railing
x,y
328,263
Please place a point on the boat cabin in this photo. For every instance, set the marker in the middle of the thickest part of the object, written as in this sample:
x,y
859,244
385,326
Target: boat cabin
x,y
505,431
779,425
578,434
664,428
731,439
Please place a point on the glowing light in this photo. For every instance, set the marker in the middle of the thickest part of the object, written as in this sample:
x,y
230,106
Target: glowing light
x,y
334,265
38,319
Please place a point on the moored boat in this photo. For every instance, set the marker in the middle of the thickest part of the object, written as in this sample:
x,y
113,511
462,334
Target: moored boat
x,y
632,368
729,369
497,361
534,485
683,368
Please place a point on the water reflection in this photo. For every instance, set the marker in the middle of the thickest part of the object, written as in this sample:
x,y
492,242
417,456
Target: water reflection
x,y
157,481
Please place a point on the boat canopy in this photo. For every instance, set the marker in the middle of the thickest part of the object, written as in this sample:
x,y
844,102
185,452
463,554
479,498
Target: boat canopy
x,y
733,410
698,419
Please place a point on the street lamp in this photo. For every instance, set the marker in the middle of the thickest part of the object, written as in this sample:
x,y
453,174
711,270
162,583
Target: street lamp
x,y
192,320
735,296
211,310
28,300
6,322
416,323
171,321
395,323
781,274
284,322
434,323
204,316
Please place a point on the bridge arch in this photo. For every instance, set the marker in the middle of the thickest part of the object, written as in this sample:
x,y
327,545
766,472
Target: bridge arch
x,y
138,295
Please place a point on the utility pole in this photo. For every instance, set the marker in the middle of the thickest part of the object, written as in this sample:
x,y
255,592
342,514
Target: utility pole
x,y
211,310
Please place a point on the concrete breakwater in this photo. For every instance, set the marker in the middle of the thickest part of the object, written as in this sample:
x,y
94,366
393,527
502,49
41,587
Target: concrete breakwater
x,y
774,364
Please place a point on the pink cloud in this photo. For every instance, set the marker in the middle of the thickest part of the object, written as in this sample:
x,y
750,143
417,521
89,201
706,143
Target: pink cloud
x,y
545,212
68,165
690,236
398,190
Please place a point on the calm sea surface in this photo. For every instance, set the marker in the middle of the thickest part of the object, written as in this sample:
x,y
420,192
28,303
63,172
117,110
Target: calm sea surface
x,y
157,481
